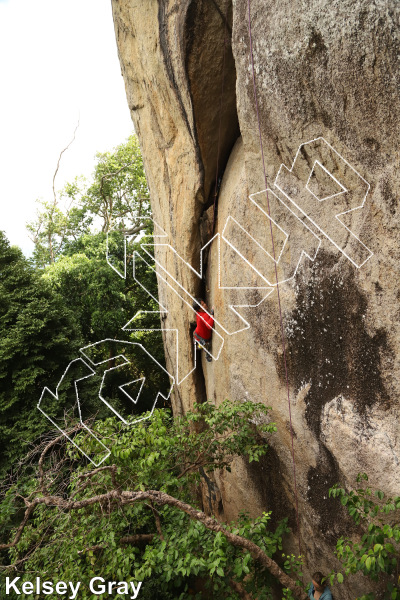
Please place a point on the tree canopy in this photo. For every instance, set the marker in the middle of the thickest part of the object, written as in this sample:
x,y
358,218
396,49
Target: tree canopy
x,y
116,198
39,336
67,296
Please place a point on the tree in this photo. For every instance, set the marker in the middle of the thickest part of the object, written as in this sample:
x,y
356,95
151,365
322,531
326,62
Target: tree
x,y
116,199
52,225
103,303
93,290
376,552
119,194
73,255
39,335
136,518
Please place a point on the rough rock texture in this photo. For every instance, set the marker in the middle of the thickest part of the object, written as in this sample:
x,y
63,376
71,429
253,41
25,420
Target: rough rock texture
x,y
323,69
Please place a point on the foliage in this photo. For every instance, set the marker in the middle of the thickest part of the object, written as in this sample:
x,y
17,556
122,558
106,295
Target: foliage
x,y
376,554
101,301
108,538
94,291
117,198
58,222
293,564
119,192
38,337
47,314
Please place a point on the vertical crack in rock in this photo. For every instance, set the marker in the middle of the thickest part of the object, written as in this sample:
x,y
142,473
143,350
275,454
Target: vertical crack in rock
x,y
267,477
211,72
320,478
165,48
217,125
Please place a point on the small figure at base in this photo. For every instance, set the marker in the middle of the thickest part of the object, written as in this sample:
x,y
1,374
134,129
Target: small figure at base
x,y
318,588
204,325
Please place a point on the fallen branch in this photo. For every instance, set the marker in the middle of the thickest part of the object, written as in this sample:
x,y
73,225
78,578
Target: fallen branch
x,y
163,499
157,520
111,468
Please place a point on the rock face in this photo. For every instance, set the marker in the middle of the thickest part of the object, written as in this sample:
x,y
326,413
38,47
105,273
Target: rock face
x,y
322,348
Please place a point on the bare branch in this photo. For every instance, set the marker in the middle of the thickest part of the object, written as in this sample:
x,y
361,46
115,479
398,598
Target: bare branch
x,y
134,229
157,519
108,217
111,468
21,527
58,163
109,175
46,449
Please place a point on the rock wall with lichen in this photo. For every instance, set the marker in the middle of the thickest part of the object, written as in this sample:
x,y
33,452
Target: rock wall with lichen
x,y
322,69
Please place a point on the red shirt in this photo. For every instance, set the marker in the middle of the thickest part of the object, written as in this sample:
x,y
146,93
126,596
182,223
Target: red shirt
x,y
205,324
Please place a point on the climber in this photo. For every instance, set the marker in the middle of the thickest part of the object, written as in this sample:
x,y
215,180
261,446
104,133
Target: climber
x,y
318,588
204,325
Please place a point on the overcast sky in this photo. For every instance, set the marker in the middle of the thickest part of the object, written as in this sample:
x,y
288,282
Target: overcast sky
x,y
58,62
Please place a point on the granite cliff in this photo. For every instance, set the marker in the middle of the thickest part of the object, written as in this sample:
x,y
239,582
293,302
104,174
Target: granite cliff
x,y
327,83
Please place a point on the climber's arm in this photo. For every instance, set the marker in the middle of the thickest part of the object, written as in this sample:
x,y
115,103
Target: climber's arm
x,y
208,319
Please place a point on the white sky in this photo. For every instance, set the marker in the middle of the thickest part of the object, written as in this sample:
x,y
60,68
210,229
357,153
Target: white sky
x,y
58,62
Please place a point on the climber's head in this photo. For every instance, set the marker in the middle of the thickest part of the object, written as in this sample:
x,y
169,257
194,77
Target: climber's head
x,y
318,581
198,304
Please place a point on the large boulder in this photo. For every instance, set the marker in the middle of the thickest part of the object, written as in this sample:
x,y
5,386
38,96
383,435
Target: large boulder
x,y
323,349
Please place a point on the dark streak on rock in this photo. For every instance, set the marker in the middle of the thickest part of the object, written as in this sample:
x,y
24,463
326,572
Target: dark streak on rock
x,y
316,45
267,477
328,344
388,196
334,520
